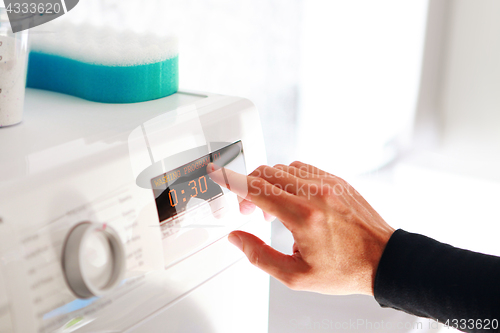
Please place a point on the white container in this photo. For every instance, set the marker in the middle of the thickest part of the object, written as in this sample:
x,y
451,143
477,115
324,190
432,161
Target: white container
x,y
13,67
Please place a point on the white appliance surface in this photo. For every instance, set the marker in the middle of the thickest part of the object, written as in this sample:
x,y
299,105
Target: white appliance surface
x,y
73,161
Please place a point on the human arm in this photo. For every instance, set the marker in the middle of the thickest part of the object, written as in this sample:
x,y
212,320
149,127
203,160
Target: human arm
x,y
342,246
424,277
339,237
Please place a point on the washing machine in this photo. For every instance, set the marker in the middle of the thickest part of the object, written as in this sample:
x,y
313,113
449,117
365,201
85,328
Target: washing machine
x,y
109,221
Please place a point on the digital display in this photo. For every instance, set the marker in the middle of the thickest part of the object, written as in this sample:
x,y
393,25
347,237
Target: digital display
x,y
175,189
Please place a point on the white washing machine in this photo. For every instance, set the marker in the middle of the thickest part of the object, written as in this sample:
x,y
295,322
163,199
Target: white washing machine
x,y
110,223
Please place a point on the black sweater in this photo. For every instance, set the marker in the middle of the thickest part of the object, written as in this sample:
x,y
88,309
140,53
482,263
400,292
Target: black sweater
x,y
427,278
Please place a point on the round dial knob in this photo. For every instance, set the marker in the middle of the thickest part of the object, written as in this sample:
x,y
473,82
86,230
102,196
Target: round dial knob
x,y
93,259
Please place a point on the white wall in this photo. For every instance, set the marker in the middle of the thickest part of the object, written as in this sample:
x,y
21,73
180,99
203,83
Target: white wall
x,y
360,71
470,91
451,180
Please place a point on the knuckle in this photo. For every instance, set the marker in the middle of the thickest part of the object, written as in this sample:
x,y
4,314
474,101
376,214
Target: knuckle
x,y
258,172
264,171
257,186
300,167
259,182
292,171
330,200
340,206
304,209
311,214
290,187
253,257
262,167
325,190
316,216
337,190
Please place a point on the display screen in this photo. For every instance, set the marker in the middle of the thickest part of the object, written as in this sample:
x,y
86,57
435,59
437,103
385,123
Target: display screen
x,y
175,189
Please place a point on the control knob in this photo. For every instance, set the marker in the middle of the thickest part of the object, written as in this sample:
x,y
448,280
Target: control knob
x,y
93,259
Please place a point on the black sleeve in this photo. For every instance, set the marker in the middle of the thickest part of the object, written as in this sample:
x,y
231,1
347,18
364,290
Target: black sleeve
x,y
427,278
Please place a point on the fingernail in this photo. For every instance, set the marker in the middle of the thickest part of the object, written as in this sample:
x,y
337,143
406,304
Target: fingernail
x,y
235,240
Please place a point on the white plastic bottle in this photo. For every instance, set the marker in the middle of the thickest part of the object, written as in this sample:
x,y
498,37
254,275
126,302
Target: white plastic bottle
x,y
13,67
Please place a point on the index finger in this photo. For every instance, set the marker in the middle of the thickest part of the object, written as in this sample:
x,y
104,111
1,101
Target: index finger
x,y
271,199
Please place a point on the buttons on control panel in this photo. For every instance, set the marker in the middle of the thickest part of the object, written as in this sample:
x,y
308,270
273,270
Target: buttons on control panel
x,y
93,259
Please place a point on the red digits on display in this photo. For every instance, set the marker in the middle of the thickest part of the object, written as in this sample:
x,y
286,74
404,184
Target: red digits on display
x,y
201,187
194,187
171,199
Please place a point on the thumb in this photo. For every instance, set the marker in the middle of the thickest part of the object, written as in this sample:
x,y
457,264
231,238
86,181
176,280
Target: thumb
x,y
281,266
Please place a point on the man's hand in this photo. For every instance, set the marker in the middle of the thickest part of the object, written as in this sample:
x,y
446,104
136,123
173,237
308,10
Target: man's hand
x,y
339,237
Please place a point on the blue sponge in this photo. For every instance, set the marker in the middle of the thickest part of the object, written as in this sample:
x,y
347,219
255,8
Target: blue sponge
x,y
104,65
